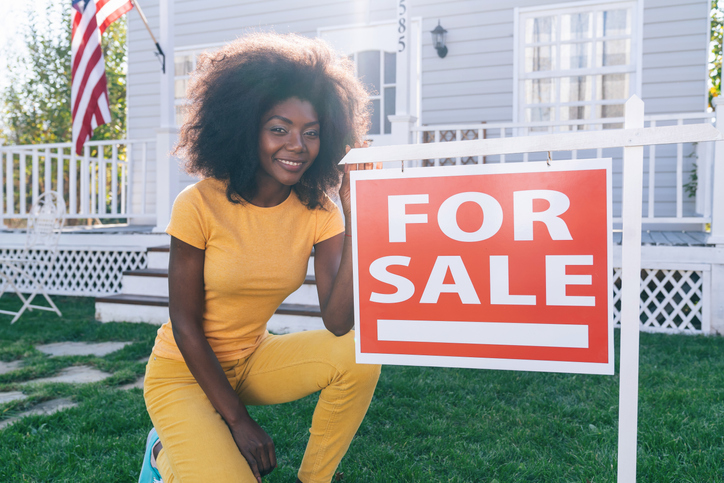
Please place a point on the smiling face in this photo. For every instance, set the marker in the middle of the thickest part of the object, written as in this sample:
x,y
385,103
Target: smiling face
x,y
288,143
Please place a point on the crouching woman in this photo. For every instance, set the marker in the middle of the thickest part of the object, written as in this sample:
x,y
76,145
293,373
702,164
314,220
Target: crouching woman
x,y
270,117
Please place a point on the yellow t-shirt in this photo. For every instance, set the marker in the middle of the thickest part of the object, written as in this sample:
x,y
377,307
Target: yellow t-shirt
x,y
254,258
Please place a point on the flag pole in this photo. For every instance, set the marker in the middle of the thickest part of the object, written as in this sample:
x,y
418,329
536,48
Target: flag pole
x,y
159,54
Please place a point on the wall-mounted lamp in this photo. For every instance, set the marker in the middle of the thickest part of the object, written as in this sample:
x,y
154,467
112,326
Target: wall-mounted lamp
x,y
438,40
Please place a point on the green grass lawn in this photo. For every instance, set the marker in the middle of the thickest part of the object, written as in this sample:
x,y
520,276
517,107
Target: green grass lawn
x,y
424,424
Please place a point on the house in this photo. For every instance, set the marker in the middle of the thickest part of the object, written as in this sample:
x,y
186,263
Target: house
x,y
511,68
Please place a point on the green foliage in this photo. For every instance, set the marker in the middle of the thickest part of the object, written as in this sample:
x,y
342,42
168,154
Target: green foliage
x,y
424,424
717,34
35,107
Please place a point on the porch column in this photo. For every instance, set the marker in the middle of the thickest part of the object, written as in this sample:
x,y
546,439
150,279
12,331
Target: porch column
x,y
167,168
717,226
401,128
717,208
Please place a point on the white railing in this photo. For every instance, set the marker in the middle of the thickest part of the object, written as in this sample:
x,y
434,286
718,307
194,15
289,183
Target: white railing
x,y
100,184
677,187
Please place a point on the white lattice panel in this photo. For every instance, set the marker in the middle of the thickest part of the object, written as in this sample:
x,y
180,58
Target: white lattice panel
x,y
671,300
89,272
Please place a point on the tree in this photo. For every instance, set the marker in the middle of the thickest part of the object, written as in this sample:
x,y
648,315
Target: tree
x,y
35,107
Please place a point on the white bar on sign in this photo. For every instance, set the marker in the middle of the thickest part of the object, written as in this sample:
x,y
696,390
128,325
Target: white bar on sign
x,y
493,333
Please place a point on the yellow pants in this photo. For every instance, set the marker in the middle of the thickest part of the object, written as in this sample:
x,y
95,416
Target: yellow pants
x,y
197,444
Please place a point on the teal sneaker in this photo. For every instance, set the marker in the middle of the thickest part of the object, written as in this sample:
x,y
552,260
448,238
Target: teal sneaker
x,y
149,474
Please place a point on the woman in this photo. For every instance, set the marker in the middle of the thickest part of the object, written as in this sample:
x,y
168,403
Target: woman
x,y
269,120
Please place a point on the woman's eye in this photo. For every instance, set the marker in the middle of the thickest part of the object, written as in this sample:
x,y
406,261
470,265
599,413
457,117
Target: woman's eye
x,y
278,130
313,134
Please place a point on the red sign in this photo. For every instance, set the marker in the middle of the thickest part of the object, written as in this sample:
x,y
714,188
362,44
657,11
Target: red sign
x,y
492,266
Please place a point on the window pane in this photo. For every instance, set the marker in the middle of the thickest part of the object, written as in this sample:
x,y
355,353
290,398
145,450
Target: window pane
x,y
183,65
368,70
613,22
179,88
539,59
576,26
613,52
572,113
390,67
389,107
375,125
539,91
612,86
180,114
541,29
576,56
575,89
538,114
615,110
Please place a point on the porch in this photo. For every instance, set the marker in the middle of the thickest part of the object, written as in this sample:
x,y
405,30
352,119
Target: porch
x,y
115,186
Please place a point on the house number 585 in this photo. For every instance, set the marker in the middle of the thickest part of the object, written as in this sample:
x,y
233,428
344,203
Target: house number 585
x,y
401,25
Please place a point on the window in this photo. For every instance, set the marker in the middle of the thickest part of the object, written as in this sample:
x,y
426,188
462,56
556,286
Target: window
x,y
378,71
184,64
576,63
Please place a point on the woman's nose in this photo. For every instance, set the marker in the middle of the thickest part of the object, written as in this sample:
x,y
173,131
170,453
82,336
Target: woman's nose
x,y
295,142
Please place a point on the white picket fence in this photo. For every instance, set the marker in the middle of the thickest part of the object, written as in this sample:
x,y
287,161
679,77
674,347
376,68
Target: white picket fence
x,y
99,184
670,169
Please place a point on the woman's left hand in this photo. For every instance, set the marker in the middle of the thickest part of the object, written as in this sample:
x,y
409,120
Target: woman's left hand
x,y
345,195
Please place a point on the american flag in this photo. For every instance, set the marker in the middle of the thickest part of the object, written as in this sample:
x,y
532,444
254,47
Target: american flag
x,y
89,90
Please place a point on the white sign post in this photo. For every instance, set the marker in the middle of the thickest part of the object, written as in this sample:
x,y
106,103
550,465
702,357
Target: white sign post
x,y
632,138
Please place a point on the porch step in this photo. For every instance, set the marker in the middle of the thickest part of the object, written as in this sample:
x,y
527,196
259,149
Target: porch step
x,y
158,257
154,310
144,298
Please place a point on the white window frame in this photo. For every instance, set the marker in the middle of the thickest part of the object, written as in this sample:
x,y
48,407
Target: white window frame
x,y
519,76
194,52
412,90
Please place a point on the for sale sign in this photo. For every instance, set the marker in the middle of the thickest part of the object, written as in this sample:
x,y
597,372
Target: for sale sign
x,y
488,266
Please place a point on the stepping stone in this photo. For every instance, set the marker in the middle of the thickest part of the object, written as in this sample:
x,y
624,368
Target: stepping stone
x,y
6,367
132,385
44,408
81,348
80,374
6,397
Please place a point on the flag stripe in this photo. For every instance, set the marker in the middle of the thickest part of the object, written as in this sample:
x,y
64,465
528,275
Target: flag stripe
x,y
89,89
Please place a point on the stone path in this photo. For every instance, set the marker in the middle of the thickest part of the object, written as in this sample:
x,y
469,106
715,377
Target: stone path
x,y
99,349
73,374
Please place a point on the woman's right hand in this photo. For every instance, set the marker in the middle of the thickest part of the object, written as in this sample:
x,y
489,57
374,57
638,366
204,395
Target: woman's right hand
x,y
255,445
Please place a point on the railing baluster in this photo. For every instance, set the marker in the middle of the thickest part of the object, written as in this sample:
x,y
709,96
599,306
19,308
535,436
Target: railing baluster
x,y
48,165
93,186
85,181
22,185
652,176
101,181
458,137
127,192
59,173
9,196
73,182
680,176
114,179
35,176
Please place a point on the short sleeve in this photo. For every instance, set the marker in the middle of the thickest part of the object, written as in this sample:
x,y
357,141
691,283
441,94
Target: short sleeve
x,y
329,221
187,222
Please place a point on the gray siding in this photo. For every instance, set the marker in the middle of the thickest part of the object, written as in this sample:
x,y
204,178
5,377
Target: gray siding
x,y
472,84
